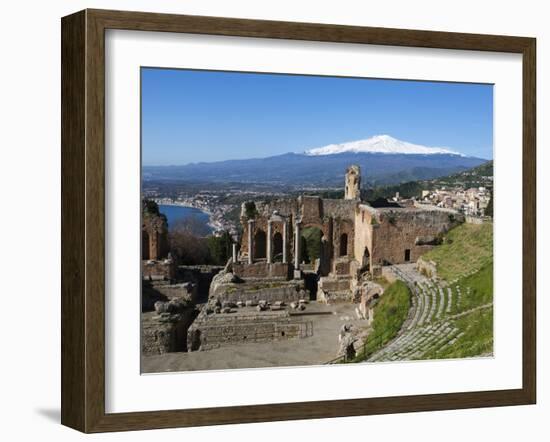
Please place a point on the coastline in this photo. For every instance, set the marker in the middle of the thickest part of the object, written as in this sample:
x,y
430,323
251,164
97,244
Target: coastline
x,y
215,226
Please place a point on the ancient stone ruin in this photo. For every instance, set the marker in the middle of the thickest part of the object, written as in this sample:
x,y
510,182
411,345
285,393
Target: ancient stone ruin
x,y
313,249
291,252
156,260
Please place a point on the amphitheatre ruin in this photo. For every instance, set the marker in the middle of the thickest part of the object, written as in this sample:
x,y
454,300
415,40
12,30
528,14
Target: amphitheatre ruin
x,y
300,287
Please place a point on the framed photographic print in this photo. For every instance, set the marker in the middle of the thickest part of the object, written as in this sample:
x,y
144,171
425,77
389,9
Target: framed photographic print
x,y
268,220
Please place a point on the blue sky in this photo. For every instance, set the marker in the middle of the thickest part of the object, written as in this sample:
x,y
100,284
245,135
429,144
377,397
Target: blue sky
x,y
191,116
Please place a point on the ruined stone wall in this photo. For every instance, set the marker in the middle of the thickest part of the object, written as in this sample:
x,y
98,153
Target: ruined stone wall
x,y
336,208
408,229
365,222
253,292
165,333
260,224
285,206
388,232
183,290
158,270
262,270
343,238
311,209
370,292
154,236
217,330
335,219
352,183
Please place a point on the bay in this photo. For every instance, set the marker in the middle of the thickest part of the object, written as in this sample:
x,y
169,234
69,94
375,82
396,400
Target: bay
x,y
194,218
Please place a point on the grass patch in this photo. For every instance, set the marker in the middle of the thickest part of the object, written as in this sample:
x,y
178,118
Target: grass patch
x,y
389,315
476,340
466,248
481,288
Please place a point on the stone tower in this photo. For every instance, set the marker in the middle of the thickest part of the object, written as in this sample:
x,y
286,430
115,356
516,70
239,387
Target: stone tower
x,y
353,182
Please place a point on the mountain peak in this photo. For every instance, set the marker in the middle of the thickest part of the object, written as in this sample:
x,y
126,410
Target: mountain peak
x,y
380,144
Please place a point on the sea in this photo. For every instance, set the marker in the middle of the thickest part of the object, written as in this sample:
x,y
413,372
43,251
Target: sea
x,y
176,214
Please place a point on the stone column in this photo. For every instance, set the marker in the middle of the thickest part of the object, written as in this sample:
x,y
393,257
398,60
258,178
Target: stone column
x,y
234,252
250,241
269,250
285,239
297,245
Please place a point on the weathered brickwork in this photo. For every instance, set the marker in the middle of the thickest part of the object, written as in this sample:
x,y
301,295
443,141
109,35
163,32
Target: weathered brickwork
x,y
164,333
399,235
353,183
270,291
158,270
242,326
334,218
262,270
154,236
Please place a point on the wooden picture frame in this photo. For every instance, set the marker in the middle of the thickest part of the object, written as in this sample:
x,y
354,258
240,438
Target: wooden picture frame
x,y
83,220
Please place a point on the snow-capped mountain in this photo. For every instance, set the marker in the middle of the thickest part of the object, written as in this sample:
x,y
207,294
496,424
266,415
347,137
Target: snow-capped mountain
x,y
380,144
383,160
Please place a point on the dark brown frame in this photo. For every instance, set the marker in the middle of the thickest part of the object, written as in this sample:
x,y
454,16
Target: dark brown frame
x,y
83,216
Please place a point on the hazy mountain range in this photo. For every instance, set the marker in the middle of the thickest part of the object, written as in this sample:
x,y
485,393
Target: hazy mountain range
x,y
383,160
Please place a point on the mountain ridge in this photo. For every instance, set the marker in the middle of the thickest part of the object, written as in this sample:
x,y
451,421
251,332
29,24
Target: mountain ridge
x,y
321,170
385,144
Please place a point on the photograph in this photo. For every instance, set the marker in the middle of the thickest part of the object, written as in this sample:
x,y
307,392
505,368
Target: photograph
x,y
297,220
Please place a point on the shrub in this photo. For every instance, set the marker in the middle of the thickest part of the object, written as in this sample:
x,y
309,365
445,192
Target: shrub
x,y
250,209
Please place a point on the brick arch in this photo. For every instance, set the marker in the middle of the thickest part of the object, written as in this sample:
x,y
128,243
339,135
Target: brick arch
x,y
323,227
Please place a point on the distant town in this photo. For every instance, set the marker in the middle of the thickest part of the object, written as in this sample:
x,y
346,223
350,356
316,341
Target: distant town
x,y
469,193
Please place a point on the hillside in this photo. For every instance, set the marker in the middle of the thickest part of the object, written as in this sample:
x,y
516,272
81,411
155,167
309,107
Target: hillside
x,y
465,262
466,249
451,317
317,170
481,175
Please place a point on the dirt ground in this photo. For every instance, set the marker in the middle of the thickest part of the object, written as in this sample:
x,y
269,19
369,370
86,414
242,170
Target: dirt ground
x,y
317,349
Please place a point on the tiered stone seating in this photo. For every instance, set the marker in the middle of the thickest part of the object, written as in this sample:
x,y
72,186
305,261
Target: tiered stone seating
x,y
429,327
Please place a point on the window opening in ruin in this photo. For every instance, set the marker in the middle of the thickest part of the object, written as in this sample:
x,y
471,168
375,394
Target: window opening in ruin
x,y
278,246
344,244
260,245
144,245
366,259
407,255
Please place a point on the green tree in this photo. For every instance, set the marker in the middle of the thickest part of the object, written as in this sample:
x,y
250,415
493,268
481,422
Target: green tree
x,y
250,209
220,248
